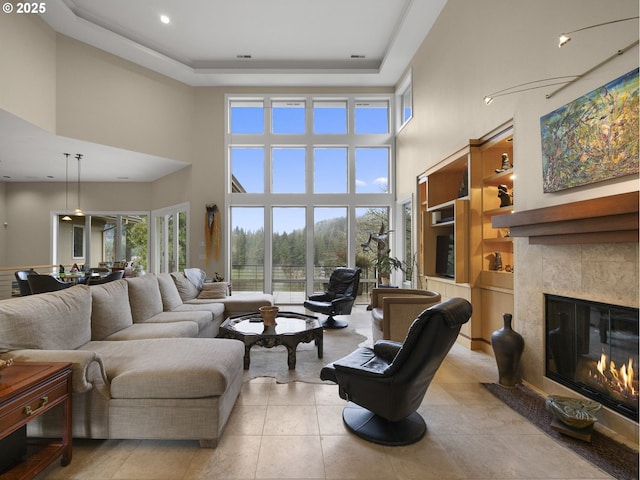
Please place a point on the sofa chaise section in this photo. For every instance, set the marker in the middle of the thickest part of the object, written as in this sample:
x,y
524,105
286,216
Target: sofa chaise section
x,y
237,304
162,388
181,388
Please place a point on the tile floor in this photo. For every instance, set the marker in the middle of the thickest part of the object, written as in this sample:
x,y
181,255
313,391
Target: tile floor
x,y
295,431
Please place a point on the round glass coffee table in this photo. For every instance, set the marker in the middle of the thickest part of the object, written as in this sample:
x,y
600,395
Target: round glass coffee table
x,y
291,328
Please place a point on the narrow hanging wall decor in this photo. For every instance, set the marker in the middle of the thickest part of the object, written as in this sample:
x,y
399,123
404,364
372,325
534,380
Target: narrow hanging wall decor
x,y
212,232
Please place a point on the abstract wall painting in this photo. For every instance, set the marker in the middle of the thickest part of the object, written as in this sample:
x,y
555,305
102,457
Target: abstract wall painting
x,y
593,138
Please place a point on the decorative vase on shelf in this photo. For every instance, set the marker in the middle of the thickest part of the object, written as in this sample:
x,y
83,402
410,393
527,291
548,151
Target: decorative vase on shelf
x,y
508,346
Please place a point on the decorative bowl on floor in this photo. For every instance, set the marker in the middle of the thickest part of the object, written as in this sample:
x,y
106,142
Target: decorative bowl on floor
x,y
269,315
575,412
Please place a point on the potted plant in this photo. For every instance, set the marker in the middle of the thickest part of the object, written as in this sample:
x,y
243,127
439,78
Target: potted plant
x,y
385,265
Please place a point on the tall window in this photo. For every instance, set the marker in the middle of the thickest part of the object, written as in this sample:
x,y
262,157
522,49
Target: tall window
x,y
309,178
78,242
404,101
404,224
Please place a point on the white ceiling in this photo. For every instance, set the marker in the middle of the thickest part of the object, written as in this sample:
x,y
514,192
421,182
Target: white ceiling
x,y
291,43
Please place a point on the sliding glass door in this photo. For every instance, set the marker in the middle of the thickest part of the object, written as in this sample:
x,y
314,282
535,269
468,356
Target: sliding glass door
x,y
100,239
170,239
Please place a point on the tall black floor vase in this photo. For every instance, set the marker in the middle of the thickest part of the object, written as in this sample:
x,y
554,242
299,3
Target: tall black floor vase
x,y
507,347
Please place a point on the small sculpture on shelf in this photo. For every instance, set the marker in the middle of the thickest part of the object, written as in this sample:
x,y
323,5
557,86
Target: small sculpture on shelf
x,y
505,196
497,262
506,164
463,191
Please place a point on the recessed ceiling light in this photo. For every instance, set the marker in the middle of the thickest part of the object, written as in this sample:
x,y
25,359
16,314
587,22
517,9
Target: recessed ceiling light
x,y
165,19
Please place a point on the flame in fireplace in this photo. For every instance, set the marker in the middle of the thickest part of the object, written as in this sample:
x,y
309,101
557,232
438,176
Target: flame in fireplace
x,y
621,380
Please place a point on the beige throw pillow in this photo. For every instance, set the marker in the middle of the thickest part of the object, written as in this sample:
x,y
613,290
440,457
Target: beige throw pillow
x,y
214,290
186,289
110,310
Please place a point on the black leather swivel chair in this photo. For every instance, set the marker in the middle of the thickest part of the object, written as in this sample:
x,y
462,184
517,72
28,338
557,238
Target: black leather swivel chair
x,y
46,283
23,283
386,384
339,297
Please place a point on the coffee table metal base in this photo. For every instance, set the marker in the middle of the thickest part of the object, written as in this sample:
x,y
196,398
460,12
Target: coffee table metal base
x,y
290,330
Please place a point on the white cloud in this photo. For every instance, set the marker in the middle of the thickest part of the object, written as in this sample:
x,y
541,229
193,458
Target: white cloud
x,y
381,181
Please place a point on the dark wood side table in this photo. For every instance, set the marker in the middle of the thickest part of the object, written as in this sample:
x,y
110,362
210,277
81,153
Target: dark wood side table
x,y
27,390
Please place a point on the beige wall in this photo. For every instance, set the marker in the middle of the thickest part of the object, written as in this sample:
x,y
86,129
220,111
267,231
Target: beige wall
x,y
29,208
28,78
480,47
3,227
106,100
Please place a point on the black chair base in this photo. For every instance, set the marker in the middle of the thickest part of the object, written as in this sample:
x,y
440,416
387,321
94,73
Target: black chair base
x,y
331,323
373,428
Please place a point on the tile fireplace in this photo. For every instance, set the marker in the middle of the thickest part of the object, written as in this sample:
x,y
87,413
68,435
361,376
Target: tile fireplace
x,y
587,250
592,348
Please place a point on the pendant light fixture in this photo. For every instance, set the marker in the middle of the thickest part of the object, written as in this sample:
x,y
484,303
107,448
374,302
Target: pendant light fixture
x,y
66,217
78,212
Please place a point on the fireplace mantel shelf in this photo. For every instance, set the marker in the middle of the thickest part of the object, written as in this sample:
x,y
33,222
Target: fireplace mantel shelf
x,y
612,219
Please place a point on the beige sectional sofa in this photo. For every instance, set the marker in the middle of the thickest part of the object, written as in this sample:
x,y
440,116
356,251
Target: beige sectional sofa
x,y
236,304
145,364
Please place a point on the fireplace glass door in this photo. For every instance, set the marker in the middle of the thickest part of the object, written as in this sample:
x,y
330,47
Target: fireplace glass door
x,y
593,349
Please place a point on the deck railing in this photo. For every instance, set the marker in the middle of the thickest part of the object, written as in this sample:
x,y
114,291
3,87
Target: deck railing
x,y
289,281
8,283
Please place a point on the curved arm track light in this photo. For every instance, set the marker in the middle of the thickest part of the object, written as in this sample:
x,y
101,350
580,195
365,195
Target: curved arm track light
x,y
534,85
564,38
566,80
